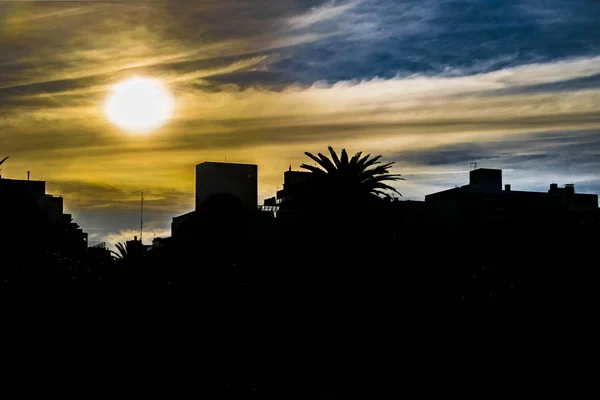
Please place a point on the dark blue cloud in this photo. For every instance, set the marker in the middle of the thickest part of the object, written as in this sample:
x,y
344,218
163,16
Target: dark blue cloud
x,y
529,161
387,38
567,150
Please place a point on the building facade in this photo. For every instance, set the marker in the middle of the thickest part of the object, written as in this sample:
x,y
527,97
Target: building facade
x,y
292,182
26,202
217,178
226,193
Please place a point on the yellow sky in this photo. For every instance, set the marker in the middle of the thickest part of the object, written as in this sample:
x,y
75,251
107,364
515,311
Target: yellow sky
x,y
65,58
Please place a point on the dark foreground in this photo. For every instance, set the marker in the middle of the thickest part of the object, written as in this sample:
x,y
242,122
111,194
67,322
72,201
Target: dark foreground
x,y
438,314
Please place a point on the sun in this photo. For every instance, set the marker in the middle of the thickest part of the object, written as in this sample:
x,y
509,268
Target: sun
x,y
139,105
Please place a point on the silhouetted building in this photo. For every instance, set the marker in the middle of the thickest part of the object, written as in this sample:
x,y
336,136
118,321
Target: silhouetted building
x,y
483,201
239,180
158,242
181,224
32,198
485,180
138,245
51,206
226,199
403,213
77,237
292,182
100,252
270,202
12,187
270,207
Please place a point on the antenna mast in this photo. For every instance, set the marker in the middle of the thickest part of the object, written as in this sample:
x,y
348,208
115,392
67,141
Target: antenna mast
x,y
472,165
142,219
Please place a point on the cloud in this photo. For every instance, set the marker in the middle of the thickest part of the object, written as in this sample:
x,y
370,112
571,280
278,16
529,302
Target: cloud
x,y
92,195
112,238
111,38
384,38
325,12
586,82
404,108
551,13
529,161
427,84
234,67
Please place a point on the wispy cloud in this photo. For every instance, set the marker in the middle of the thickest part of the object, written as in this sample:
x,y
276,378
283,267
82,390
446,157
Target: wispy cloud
x,y
402,107
323,13
112,238
83,195
427,84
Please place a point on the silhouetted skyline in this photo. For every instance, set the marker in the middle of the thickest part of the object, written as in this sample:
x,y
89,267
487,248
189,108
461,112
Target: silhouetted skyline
x,y
341,272
431,85
395,265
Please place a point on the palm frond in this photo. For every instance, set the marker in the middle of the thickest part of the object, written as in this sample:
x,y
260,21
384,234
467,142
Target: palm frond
x,y
312,168
327,164
377,171
364,159
375,182
384,166
372,161
380,187
115,255
334,156
355,158
344,158
122,249
316,159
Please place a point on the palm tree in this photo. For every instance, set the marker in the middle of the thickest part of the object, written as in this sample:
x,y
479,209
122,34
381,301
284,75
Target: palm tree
x,y
122,251
349,181
130,251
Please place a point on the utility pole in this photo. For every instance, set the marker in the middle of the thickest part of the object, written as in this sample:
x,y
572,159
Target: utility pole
x,y
142,220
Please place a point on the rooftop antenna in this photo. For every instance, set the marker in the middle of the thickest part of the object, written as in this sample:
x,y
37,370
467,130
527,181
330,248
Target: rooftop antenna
x,y
472,166
2,162
28,175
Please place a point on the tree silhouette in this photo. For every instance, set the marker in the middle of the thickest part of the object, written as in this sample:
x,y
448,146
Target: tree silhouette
x,y
130,263
130,251
343,181
339,210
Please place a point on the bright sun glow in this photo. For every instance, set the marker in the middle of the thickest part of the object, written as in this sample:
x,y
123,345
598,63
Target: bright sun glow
x,y
139,105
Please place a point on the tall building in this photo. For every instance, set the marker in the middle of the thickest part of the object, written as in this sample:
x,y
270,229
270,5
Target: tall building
x,y
220,188
217,178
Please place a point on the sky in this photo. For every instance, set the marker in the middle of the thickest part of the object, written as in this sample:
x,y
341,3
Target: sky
x,y
432,85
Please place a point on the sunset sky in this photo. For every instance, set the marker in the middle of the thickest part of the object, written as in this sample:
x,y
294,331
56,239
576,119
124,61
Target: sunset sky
x,y
430,84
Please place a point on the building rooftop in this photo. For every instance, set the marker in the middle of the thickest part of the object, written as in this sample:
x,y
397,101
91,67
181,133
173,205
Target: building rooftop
x,y
221,163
